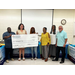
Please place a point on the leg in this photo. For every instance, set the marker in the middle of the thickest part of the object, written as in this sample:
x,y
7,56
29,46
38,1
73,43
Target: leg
x,y
42,52
6,53
57,52
32,51
63,53
19,52
11,53
35,50
46,52
23,52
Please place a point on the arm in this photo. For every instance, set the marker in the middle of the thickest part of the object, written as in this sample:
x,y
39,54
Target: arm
x,y
17,32
5,37
48,39
56,42
25,32
65,43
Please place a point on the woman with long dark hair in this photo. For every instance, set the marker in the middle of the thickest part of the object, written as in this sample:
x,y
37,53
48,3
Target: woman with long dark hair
x,y
52,47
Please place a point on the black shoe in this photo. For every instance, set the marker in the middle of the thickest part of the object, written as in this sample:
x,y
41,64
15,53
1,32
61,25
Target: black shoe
x,y
54,60
61,62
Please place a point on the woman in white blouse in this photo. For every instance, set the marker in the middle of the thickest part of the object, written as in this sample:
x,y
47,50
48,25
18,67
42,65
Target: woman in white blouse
x,y
52,47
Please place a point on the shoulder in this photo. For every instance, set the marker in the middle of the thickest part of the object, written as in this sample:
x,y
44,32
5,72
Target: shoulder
x,y
5,32
64,32
13,32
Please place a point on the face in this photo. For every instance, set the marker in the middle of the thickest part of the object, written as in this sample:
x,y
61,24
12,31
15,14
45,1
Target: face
x,y
33,30
60,28
9,30
21,27
44,30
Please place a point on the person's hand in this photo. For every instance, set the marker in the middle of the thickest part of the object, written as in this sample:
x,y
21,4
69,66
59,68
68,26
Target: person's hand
x,y
10,35
56,45
48,44
64,45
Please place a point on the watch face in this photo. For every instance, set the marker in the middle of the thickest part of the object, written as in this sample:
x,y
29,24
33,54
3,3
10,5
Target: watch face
x,y
63,21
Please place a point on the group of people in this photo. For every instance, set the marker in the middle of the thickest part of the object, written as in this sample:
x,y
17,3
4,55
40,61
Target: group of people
x,y
51,43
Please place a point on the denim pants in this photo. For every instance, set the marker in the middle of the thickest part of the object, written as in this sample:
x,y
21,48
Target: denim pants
x,y
34,49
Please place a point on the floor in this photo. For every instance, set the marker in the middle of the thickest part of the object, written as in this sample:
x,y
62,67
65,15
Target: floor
x,y
38,62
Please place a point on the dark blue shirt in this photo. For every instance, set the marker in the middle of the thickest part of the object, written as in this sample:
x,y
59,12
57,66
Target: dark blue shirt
x,y
8,41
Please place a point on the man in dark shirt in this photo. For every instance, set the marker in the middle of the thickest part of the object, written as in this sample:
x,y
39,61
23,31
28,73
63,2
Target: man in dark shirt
x,y
8,44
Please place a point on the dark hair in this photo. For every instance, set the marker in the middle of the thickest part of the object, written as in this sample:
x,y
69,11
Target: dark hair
x,y
20,25
32,28
8,28
45,28
54,30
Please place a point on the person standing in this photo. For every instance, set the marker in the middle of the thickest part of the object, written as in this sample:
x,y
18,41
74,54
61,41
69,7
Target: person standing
x,y
33,49
8,44
45,42
61,40
52,47
21,31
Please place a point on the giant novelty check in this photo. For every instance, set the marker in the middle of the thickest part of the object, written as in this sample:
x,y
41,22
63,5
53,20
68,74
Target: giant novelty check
x,y
22,41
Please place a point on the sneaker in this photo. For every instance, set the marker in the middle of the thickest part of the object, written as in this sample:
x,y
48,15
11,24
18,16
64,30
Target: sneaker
x,y
7,61
19,59
12,59
35,58
31,58
23,59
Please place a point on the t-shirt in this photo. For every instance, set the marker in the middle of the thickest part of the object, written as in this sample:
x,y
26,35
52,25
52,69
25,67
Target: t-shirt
x,y
61,36
45,39
8,41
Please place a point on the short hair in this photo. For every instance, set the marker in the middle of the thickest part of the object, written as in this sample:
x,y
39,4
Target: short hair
x,y
45,28
8,28
61,26
20,25
31,30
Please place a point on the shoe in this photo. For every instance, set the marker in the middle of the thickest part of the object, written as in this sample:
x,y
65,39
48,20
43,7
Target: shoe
x,y
31,58
19,59
42,58
23,59
7,61
35,58
46,60
54,60
61,62
12,59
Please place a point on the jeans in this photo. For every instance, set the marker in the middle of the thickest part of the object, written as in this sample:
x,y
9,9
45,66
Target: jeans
x,y
34,49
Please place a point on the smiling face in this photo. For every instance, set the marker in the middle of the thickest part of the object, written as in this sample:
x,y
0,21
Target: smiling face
x,y
21,27
60,28
44,30
53,28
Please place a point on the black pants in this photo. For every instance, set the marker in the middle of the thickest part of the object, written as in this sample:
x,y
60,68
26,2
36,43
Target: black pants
x,y
58,52
8,51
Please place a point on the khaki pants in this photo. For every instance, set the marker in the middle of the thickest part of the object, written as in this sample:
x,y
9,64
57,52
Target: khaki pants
x,y
45,51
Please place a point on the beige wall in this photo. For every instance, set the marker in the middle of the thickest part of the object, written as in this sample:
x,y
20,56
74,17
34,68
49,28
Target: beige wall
x,y
12,18
9,18
69,15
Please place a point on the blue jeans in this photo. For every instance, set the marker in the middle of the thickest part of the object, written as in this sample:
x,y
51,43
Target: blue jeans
x,y
34,49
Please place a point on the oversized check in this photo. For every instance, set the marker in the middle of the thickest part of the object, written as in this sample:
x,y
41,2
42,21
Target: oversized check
x,y
22,41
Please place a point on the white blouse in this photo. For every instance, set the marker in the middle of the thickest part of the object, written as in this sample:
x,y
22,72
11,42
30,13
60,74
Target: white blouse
x,y
53,38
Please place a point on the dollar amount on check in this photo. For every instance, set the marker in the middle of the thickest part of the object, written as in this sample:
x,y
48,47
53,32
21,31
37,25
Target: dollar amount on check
x,y
22,41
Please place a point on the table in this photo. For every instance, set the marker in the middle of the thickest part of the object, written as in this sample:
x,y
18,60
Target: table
x,y
71,53
2,55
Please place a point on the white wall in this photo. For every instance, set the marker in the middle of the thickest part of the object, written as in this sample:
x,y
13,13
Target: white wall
x,y
69,15
9,18
37,18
